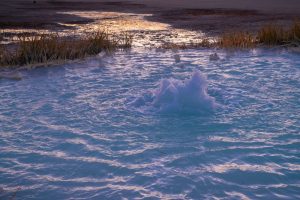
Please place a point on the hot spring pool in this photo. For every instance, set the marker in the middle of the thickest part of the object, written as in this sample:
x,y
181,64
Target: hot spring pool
x,y
138,125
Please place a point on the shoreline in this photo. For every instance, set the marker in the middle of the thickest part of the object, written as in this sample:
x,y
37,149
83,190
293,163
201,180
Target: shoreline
x,y
52,49
151,26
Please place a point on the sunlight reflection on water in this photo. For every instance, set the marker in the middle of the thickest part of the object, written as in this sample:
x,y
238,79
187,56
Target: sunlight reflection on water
x,y
146,33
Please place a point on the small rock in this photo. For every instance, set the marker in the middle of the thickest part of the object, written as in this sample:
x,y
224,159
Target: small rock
x,y
177,58
160,50
214,57
295,49
11,75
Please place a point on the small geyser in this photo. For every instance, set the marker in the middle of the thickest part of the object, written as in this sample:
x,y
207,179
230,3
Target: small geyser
x,y
175,96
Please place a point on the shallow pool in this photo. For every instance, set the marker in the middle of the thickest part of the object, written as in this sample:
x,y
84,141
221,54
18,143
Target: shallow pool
x,y
154,125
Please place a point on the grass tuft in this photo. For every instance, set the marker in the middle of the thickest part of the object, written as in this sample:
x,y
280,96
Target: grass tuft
x,y
272,35
294,32
269,35
47,48
236,40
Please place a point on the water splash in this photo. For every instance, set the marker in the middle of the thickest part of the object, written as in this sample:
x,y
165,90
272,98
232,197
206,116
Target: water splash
x,y
174,96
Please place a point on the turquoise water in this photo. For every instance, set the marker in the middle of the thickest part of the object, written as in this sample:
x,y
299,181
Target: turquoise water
x,y
142,125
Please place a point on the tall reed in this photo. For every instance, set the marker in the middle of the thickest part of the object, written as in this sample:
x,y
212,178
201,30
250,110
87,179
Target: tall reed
x,y
268,35
236,40
294,32
272,35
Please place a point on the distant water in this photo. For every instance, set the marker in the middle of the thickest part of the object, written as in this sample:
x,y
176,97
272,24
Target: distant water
x,y
142,125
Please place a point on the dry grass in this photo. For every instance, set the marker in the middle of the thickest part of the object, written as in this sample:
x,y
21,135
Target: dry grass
x,y
53,47
269,35
124,42
237,40
276,35
294,32
272,35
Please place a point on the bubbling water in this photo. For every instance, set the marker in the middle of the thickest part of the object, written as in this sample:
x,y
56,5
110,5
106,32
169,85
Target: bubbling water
x,y
175,96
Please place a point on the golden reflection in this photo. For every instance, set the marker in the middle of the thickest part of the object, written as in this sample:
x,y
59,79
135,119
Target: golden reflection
x,y
118,22
146,33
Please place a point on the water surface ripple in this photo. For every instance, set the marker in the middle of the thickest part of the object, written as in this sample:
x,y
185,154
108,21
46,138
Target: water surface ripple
x,y
71,132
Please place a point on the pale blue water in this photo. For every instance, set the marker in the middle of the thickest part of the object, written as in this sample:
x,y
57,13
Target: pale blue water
x,y
102,129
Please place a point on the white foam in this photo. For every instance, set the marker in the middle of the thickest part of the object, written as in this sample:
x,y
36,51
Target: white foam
x,y
188,96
